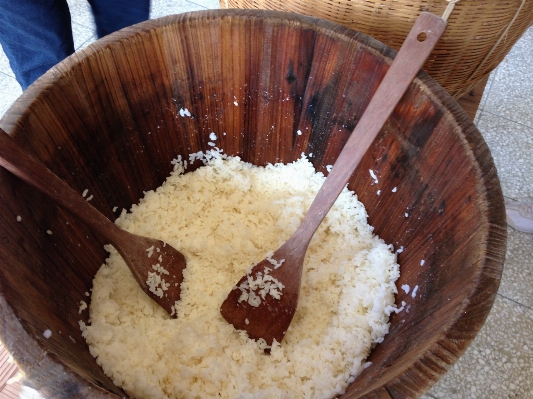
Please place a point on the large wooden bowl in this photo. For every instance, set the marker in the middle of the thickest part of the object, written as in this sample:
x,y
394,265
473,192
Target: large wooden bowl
x,y
107,120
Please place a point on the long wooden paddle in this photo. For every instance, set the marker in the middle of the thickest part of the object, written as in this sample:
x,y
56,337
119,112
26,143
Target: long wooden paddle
x,y
270,317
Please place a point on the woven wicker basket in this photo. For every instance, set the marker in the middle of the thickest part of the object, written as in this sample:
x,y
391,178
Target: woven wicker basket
x,y
479,34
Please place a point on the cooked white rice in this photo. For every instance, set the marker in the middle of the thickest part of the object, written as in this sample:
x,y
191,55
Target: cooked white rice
x,y
224,217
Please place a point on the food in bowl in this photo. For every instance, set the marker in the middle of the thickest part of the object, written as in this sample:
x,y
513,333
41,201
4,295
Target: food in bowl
x,y
224,217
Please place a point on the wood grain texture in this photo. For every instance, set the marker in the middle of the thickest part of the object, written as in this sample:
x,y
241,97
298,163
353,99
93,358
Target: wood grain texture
x,y
107,119
479,36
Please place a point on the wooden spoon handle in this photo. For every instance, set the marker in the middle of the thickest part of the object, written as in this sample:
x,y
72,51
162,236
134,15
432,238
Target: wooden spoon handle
x,y
26,167
416,48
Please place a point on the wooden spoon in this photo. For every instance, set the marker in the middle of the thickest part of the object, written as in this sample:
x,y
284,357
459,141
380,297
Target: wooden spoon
x,y
135,250
272,317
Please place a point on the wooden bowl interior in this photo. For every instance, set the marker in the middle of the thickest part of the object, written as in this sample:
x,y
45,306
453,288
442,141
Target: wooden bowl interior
x,y
107,120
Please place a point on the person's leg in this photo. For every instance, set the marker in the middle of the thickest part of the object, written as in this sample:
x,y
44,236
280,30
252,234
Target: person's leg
x,y
112,15
35,35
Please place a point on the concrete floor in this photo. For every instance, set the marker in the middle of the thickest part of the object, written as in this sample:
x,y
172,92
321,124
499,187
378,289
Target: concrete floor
x,y
499,363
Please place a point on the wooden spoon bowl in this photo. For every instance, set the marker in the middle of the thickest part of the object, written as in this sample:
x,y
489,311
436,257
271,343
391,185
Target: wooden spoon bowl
x,y
108,119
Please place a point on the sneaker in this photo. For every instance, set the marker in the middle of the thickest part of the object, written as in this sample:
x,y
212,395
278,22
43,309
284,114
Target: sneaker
x,y
520,216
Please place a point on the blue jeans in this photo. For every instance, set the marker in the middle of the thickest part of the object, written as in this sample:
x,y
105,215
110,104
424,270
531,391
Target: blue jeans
x,y
37,34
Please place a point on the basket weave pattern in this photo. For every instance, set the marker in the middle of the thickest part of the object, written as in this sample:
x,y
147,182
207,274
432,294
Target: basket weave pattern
x,y
479,33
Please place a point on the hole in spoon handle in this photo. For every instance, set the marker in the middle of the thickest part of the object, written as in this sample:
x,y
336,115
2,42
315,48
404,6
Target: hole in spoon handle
x,y
422,36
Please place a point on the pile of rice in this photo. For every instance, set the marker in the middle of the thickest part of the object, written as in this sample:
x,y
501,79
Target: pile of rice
x,y
224,217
